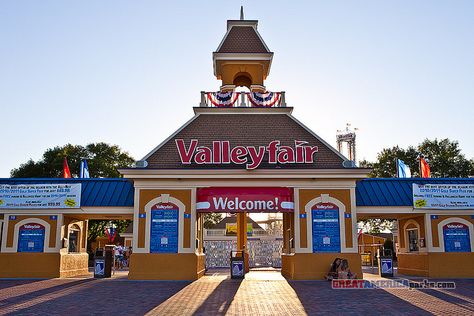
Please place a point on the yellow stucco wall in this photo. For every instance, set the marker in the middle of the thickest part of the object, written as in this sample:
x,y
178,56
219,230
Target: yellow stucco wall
x,y
306,195
435,222
147,195
42,265
314,266
437,264
53,224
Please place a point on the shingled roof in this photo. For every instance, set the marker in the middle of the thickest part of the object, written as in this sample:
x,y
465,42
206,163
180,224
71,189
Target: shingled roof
x,y
244,130
242,37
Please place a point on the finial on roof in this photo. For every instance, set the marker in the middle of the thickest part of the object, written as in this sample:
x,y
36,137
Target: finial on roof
x,y
242,12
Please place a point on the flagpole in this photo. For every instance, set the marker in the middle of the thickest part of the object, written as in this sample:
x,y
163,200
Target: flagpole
x,y
396,166
419,166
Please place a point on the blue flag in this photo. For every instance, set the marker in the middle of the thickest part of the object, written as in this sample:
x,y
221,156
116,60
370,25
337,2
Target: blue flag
x,y
84,169
403,171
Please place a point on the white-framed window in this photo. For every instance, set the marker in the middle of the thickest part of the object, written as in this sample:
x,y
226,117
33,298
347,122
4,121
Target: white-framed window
x,y
74,239
412,240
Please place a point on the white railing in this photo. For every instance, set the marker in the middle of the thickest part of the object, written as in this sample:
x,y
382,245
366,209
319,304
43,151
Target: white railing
x,y
242,99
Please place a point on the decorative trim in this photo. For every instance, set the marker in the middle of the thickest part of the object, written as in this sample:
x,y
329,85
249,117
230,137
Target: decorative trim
x,y
309,174
47,233
136,219
453,220
165,198
405,235
167,139
334,150
82,210
325,198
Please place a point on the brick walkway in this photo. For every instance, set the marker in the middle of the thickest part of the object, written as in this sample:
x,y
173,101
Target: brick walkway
x,y
261,293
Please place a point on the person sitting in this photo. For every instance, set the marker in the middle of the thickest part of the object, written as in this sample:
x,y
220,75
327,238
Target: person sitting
x,y
343,271
333,271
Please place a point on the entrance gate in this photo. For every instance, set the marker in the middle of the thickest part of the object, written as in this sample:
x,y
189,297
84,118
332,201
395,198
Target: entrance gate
x,y
259,251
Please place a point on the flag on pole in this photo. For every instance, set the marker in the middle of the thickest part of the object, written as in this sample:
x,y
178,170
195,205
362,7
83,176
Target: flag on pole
x,y
66,171
403,171
424,168
111,232
84,169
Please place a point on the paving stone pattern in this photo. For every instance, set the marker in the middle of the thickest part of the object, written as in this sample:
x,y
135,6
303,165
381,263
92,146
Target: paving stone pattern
x,y
261,293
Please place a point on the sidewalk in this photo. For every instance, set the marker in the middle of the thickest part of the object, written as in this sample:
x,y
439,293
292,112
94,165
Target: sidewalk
x,y
261,293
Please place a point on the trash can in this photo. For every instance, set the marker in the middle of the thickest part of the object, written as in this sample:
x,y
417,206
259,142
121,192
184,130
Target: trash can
x,y
109,260
237,265
99,263
385,261
103,261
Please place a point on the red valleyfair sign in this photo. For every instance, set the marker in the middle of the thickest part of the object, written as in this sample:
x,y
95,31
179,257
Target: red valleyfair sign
x,y
222,152
241,199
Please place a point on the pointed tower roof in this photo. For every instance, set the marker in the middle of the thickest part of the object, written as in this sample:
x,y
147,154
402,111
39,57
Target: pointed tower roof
x,y
242,37
242,57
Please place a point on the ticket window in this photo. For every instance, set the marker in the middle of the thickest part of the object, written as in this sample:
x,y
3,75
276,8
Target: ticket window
x,y
413,240
74,239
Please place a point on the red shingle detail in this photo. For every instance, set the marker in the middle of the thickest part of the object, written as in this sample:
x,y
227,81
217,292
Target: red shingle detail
x,y
242,39
244,130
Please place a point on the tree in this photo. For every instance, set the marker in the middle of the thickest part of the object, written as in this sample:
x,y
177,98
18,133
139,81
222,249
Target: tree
x,y
211,219
377,225
102,159
97,228
444,157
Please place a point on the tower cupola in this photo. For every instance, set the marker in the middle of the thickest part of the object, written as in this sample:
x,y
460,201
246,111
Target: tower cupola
x,y
242,58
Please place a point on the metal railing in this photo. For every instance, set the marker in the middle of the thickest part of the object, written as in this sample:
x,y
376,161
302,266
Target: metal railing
x,y
222,232
242,99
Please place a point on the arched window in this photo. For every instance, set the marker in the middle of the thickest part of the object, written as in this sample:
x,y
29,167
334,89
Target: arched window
x,y
31,237
74,238
243,79
456,237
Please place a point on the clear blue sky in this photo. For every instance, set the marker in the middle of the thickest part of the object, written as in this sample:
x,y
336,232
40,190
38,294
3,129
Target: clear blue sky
x,y
129,72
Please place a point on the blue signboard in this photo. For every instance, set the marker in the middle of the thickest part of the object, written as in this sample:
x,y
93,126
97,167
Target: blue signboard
x,y
386,265
99,267
456,238
164,229
31,238
326,234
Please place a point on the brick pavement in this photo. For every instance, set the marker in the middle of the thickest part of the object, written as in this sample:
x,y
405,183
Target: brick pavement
x,y
261,293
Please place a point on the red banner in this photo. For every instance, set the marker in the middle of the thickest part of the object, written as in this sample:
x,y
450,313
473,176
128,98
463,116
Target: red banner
x,y
238,199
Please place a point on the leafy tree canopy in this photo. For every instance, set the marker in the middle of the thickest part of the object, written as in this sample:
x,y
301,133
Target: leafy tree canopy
x,y
444,157
103,160
211,219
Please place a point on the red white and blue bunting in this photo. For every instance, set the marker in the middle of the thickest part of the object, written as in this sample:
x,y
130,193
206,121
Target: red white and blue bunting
x,y
266,99
223,99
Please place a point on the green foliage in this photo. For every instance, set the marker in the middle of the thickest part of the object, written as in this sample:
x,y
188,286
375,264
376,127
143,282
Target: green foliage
x,y
378,225
97,228
444,157
211,219
103,160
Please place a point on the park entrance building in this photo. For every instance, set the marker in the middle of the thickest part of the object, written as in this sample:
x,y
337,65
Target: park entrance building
x,y
243,151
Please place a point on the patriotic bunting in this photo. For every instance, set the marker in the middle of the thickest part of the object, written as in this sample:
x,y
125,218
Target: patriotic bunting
x,y
222,99
266,99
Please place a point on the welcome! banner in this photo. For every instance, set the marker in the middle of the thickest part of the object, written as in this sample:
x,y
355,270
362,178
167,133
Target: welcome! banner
x,y
239,199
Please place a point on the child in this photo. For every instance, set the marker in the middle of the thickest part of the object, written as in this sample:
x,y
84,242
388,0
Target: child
x,y
344,272
333,271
